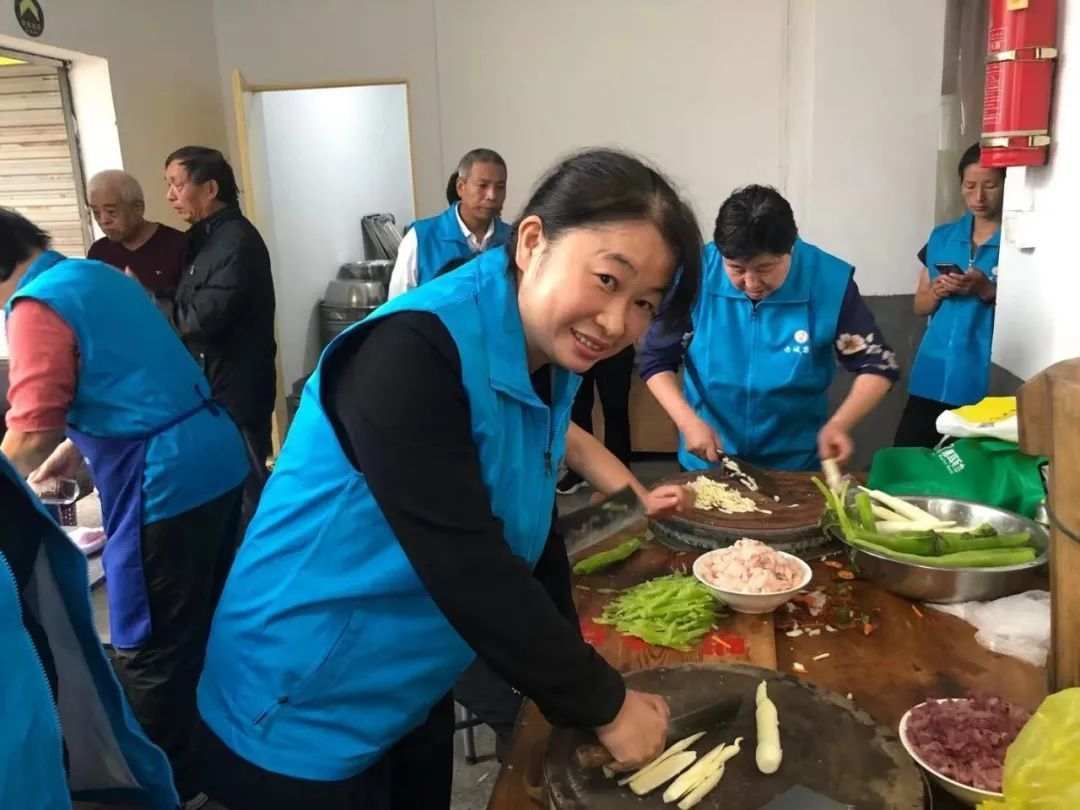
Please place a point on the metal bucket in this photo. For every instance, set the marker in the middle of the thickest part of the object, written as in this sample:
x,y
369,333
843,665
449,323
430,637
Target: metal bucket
x,y
333,320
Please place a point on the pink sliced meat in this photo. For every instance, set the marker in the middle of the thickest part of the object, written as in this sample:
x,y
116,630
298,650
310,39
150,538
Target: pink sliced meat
x,y
966,740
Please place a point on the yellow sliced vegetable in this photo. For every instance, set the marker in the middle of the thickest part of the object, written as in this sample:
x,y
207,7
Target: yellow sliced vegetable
x,y
769,754
673,749
664,772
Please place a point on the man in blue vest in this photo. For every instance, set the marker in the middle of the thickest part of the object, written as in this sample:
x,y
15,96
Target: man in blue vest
x,y
464,229
86,746
167,460
774,318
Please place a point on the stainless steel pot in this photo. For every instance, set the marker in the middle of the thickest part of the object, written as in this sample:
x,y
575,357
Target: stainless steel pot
x,y
929,584
367,270
352,293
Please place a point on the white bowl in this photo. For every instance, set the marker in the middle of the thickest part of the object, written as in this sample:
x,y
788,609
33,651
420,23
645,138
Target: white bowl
x,y
753,602
965,793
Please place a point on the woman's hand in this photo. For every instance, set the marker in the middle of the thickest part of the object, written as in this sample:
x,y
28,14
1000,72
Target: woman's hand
x,y
64,462
835,442
942,287
637,734
667,500
701,439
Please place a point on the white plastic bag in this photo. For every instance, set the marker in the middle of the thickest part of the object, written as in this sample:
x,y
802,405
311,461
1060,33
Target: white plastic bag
x,y
1017,625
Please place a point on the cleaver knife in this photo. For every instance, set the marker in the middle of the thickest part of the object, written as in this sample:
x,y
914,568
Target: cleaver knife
x,y
584,528
704,718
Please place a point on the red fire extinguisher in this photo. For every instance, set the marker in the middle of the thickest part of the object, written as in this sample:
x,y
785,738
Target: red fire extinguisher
x,y
1020,57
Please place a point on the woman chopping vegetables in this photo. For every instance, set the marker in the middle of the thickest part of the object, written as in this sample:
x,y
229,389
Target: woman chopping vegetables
x,y
406,524
774,316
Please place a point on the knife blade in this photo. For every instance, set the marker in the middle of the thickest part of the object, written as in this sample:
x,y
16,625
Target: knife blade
x,y
584,528
703,718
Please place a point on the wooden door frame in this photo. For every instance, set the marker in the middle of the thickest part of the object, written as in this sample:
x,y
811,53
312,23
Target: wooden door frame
x,y
241,89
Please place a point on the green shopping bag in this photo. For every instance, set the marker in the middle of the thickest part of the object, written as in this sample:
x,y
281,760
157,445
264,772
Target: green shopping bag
x,y
988,471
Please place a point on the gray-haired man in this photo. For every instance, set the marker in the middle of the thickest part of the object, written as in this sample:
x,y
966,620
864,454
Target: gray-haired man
x,y
466,228
150,251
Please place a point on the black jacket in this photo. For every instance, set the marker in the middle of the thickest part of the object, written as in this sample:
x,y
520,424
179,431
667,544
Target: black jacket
x,y
224,312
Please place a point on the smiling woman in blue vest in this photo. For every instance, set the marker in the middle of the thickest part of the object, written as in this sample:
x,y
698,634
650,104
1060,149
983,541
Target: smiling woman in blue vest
x,y
775,316
406,527
167,462
469,225
957,290
86,744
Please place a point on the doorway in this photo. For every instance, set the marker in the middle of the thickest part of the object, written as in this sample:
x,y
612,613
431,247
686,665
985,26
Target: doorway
x,y
314,161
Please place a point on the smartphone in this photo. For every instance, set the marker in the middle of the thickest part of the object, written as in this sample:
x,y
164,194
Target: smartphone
x,y
948,269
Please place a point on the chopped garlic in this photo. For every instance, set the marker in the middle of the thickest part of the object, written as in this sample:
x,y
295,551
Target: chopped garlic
x,y
713,495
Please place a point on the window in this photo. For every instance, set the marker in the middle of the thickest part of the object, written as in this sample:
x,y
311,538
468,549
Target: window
x,y
40,172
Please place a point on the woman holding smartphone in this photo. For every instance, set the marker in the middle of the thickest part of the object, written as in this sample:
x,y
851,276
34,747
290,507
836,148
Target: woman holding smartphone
x,y
957,289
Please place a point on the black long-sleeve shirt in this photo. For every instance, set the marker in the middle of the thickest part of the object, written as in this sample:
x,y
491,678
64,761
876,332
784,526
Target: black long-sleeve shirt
x,y
397,403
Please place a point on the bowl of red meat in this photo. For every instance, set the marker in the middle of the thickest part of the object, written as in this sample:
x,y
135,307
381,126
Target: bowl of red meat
x,y
752,577
961,743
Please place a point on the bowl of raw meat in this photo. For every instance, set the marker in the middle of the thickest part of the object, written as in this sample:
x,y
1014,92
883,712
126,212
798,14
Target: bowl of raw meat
x,y
961,743
752,577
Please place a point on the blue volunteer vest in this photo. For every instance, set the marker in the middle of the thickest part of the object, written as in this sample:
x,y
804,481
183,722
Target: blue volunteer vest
x,y
134,376
439,240
109,756
141,415
953,361
326,648
759,375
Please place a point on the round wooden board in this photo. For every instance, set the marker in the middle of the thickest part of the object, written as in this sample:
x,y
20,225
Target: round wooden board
x,y
791,524
829,746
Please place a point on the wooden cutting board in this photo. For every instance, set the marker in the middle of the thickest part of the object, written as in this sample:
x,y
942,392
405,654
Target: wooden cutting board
x,y
738,637
790,523
829,746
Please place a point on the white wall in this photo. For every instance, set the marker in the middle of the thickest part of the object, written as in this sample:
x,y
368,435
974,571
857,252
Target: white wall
x,y
283,41
864,147
837,102
1038,278
696,86
162,63
322,160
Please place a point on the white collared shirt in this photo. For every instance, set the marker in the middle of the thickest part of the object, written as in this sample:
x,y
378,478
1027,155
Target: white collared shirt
x,y
404,277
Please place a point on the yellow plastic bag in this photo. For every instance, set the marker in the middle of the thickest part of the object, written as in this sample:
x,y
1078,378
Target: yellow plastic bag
x,y
1042,766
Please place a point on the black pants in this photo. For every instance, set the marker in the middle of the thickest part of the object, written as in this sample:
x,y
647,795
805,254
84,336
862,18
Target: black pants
x,y
917,422
259,445
185,561
414,775
612,380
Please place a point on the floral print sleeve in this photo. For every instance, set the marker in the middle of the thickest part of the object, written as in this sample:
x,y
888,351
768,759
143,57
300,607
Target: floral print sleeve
x,y
860,346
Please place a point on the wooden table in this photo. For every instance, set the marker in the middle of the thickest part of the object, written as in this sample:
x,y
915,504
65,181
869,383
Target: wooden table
x,y
906,659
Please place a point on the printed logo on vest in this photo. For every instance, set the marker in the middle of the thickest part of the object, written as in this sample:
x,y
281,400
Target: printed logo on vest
x,y
802,336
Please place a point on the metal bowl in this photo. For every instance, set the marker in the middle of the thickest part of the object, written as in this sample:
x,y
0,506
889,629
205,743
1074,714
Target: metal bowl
x,y
351,293
367,270
927,583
